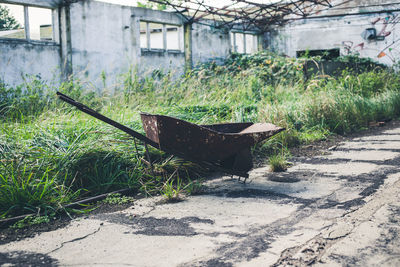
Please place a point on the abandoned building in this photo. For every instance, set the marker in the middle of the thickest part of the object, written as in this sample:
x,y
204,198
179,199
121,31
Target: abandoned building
x,y
99,41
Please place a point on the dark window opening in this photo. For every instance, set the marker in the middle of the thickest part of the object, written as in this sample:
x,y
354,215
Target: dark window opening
x,y
327,54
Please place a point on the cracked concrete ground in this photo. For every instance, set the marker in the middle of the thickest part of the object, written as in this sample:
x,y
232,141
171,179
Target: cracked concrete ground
x,y
337,209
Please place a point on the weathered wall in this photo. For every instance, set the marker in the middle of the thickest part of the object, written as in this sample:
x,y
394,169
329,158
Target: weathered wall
x,y
209,44
20,57
103,42
99,42
164,61
342,32
150,60
106,42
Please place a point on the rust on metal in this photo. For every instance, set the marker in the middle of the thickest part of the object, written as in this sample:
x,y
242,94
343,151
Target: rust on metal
x,y
225,147
246,14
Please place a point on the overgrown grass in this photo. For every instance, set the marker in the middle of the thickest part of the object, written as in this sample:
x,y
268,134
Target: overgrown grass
x,y
52,154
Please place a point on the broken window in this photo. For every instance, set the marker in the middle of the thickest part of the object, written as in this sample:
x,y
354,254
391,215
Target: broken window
x,y
143,35
173,36
244,43
160,36
26,22
156,36
12,22
40,24
251,43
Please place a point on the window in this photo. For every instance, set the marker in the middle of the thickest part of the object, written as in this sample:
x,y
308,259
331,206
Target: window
x,y
25,22
157,36
13,22
244,43
40,24
173,37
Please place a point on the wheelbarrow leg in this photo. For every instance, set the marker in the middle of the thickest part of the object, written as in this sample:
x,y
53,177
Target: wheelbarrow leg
x,y
244,181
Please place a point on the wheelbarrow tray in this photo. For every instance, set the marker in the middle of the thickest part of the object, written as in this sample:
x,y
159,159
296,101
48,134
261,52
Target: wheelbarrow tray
x,y
224,147
227,145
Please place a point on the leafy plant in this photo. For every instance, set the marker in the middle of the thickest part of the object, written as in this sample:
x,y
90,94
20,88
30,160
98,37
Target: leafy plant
x,y
193,187
32,220
24,192
117,199
172,192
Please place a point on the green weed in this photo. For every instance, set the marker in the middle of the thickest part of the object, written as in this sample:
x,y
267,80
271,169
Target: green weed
x,y
117,199
278,163
22,192
51,154
172,190
32,220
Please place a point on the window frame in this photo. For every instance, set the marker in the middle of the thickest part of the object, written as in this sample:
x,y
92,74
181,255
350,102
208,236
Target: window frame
x,y
234,45
164,48
54,25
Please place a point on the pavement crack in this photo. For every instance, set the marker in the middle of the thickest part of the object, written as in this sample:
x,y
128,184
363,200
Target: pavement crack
x,y
74,240
314,249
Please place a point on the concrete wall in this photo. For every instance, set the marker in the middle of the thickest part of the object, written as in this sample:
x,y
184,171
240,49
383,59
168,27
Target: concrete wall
x,y
20,57
342,32
209,44
103,42
158,59
99,42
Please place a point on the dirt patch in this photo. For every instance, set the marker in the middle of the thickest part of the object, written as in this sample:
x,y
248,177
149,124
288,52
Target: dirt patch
x,y
151,226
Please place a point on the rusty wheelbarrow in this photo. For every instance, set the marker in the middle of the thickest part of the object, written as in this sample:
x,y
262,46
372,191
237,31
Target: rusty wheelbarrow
x,y
223,147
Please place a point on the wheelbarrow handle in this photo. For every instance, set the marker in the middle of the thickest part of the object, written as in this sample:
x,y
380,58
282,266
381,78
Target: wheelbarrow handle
x,y
103,118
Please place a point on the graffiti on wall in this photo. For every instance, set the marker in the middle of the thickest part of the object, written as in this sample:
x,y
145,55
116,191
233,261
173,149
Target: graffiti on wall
x,y
384,27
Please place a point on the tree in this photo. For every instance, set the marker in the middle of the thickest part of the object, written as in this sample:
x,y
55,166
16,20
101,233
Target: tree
x,y
152,5
7,21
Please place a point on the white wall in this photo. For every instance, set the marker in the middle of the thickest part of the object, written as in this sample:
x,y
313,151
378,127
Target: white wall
x,y
104,44
19,58
209,44
103,40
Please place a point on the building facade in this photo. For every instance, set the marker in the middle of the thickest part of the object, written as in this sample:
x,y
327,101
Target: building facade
x,y
368,28
100,42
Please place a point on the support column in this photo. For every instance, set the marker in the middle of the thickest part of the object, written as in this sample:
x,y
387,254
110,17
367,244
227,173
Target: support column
x,y
148,40
164,33
187,29
26,26
65,42
234,42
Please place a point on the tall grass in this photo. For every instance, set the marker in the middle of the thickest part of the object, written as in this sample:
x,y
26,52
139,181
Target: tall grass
x,y
51,154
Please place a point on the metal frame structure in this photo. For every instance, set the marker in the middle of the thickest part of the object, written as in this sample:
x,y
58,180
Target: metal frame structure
x,y
245,14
